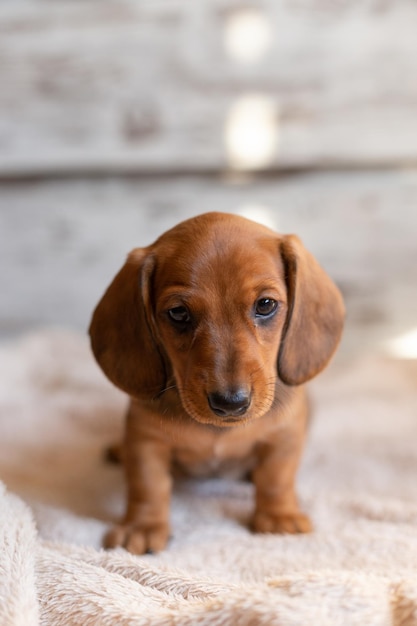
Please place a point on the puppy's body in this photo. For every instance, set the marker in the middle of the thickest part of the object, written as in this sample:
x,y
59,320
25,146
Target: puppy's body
x,y
212,331
201,450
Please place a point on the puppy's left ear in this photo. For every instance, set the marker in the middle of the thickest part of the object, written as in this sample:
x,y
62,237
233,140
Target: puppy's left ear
x,y
315,315
121,330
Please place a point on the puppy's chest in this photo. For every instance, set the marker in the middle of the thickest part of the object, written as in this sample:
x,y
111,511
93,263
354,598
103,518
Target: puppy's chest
x,y
230,456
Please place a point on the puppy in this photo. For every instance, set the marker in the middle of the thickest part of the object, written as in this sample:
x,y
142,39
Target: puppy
x,y
212,331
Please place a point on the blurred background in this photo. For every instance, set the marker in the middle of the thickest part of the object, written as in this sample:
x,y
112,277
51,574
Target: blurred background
x,y
118,119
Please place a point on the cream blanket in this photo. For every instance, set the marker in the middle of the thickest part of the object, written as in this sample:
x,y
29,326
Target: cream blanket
x,y
358,481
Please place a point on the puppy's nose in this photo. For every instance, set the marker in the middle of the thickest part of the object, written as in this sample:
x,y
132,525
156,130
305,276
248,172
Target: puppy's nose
x,y
229,403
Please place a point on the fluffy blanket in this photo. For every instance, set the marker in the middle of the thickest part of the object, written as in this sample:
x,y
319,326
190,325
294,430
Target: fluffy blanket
x,y
358,481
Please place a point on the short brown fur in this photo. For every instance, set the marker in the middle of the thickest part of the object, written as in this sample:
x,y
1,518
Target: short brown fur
x,y
226,387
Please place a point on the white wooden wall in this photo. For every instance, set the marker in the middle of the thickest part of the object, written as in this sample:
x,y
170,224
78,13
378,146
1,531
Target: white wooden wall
x,y
145,85
117,119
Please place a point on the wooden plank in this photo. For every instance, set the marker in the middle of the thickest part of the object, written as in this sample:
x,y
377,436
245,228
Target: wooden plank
x,y
144,86
62,241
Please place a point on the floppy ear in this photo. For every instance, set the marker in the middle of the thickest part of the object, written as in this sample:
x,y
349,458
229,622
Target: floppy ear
x,y
315,315
120,330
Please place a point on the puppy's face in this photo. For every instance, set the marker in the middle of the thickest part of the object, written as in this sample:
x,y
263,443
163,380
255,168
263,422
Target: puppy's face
x,y
235,312
219,309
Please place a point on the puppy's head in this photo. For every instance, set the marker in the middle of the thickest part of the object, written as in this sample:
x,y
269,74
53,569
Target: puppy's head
x,y
224,307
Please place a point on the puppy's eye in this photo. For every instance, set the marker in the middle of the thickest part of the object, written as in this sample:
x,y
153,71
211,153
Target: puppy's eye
x,y
265,307
179,314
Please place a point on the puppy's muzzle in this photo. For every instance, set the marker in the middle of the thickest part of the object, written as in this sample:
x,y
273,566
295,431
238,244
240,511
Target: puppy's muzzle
x,y
229,403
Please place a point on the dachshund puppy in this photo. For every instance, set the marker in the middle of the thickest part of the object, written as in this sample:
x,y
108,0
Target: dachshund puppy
x,y
212,331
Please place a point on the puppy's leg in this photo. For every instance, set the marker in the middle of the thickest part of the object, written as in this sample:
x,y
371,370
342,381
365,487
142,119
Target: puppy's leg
x,y
277,509
145,527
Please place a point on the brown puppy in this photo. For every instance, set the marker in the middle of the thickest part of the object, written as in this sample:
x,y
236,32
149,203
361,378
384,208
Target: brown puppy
x,y
212,331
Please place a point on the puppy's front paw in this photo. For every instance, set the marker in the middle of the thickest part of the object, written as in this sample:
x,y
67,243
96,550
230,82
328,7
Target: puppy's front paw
x,y
291,523
138,539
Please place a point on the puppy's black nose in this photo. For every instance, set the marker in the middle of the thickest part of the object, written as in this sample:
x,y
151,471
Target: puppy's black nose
x,y
229,403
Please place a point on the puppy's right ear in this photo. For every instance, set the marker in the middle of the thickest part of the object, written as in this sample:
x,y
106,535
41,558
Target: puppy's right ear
x,y
121,330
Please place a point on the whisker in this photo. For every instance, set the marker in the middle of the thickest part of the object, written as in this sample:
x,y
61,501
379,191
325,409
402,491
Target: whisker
x,y
160,393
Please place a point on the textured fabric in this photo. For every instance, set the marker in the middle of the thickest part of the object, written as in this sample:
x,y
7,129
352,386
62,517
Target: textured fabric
x,y
358,481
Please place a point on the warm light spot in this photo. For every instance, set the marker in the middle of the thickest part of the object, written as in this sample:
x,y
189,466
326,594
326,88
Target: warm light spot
x,y
251,132
258,213
404,346
247,35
